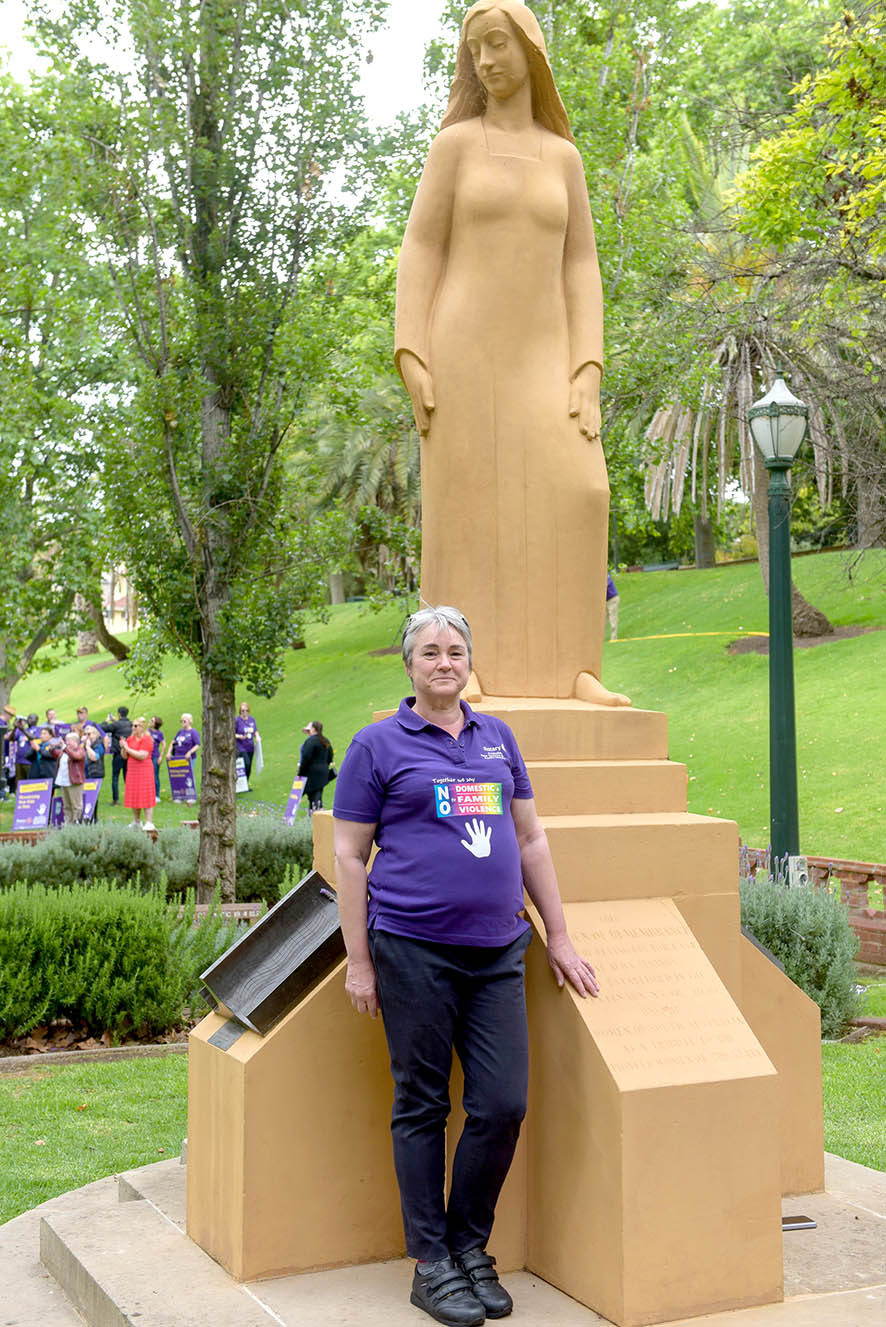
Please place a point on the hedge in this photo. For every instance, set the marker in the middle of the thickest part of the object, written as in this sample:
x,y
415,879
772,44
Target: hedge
x,y
76,854
808,930
110,958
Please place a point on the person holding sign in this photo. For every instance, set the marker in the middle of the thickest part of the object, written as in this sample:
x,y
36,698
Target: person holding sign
x,y
139,793
184,746
438,946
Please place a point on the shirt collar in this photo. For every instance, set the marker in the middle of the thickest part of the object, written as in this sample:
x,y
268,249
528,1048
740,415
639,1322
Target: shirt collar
x,y
407,717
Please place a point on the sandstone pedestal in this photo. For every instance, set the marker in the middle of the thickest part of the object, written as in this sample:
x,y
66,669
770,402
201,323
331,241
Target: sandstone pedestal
x,y
666,1118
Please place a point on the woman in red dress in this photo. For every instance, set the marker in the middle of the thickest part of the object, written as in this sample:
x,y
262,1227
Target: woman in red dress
x,y
139,795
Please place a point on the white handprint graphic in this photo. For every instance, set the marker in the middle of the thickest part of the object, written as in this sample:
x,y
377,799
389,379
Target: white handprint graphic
x,y
479,840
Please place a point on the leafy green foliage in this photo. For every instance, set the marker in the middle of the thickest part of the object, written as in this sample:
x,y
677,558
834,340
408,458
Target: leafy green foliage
x,y
809,931
78,854
107,958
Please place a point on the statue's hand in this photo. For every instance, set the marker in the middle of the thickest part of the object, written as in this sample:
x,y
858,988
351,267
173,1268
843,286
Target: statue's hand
x,y
420,387
584,401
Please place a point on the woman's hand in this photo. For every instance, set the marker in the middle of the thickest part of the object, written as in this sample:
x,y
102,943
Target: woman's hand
x,y
420,387
360,987
584,400
569,966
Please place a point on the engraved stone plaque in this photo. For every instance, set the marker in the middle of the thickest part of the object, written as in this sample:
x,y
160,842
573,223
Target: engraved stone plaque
x,y
663,1016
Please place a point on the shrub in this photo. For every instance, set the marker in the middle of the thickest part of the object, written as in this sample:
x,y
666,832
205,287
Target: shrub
x,y
80,853
109,958
809,931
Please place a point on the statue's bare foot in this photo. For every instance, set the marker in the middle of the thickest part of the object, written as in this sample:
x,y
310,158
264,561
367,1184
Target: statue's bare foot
x,y
588,688
472,692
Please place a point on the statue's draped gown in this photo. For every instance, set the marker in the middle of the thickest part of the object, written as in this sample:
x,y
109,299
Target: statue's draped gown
x,y
499,296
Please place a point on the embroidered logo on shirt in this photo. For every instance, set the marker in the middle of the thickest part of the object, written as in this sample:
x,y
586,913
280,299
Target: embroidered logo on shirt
x,y
494,752
468,799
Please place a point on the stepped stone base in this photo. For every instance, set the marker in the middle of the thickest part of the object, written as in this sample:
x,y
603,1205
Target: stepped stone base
x,y
125,1262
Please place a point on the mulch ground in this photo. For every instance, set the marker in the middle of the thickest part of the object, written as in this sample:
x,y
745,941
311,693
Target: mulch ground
x,y
760,644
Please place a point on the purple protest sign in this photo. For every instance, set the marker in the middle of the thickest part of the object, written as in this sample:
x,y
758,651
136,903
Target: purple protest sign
x,y
91,790
62,728
295,796
242,781
181,779
33,799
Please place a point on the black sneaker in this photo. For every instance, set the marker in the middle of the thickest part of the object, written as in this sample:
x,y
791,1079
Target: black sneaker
x,y
480,1267
444,1292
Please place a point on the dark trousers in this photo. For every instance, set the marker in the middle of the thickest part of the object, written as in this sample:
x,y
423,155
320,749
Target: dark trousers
x,y
118,767
435,998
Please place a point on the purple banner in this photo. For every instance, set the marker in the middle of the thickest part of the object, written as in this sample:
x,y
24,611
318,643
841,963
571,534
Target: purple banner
x,y
242,781
91,790
33,799
181,779
61,728
295,796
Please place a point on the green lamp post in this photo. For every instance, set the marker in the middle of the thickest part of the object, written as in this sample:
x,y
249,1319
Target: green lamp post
x,y
778,424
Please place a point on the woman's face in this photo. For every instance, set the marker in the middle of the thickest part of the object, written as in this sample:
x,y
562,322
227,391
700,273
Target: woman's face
x,y
138,727
499,59
186,722
440,666
244,710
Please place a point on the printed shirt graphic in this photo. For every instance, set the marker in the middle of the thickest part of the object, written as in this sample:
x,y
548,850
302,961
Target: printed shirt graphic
x,y
448,866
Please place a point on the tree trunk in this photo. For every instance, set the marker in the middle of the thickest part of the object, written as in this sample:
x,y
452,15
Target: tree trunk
x,y
106,638
807,620
337,587
217,860
87,641
871,512
703,529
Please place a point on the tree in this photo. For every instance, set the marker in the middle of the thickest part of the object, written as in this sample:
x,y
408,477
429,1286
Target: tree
x,y
207,169
52,358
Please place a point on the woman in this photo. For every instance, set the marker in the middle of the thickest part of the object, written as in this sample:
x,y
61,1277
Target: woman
x,y
139,792
155,728
48,751
439,949
186,743
23,748
499,342
315,764
95,759
71,776
245,735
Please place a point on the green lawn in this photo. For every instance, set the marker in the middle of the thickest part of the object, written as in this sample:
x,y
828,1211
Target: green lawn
x,y
62,1127
666,659
855,1101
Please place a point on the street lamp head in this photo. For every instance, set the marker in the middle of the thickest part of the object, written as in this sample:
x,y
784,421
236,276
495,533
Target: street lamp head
x,y
778,423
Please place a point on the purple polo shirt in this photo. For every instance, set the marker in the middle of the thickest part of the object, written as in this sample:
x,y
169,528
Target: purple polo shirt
x,y
448,862
244,730
184,742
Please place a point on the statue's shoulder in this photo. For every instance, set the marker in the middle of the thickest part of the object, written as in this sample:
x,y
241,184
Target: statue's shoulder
x,y
557,148
455,137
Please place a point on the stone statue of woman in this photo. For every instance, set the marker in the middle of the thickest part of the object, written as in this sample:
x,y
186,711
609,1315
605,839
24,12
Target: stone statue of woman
x,y
499,342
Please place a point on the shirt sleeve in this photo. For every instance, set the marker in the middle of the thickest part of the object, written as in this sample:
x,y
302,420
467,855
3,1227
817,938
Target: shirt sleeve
x,y
522,784
359,790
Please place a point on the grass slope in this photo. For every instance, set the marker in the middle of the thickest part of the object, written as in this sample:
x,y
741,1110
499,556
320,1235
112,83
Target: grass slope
x,y
672,656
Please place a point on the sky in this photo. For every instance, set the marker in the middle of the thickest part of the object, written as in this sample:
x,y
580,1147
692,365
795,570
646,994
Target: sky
x,y
390,84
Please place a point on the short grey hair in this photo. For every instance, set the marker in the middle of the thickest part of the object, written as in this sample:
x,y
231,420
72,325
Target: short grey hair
x,y
443,616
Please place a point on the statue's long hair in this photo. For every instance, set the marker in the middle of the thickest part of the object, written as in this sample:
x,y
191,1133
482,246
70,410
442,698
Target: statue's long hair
x,y
467,96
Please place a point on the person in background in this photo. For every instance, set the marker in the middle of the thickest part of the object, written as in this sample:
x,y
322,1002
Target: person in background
x,y
83,719
118,729
95,757
34,734
49,748
139,793
186,743
23,749
155,728
612,607
315,763
71,776
245,732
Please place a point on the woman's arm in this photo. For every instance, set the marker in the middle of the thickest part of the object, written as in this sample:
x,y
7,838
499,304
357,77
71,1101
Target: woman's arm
x,y
422,260
540,880
583,290
353,844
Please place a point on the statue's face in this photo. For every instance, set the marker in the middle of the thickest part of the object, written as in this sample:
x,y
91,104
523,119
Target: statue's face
x,y
499,59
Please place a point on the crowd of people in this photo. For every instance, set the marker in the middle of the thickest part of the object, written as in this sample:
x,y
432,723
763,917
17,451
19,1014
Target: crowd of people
x,y
131,751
